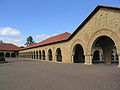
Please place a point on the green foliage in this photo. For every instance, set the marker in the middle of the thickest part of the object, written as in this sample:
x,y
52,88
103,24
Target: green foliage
x,y
29,41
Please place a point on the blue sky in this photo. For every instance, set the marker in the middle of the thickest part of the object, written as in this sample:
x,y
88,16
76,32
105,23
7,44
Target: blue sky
x,y
43,18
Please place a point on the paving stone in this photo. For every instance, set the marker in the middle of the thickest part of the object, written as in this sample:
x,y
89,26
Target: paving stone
x,y
25,74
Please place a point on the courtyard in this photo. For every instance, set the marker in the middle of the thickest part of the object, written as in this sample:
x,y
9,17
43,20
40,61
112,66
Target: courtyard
x,y
27,74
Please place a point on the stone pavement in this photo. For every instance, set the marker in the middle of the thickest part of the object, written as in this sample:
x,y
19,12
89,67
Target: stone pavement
x,y
23,74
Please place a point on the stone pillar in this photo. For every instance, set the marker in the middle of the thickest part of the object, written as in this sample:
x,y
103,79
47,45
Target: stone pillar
x,y
4,54
88,59
114,57
72,58
47,57
119,60
55,58
41,57
100,56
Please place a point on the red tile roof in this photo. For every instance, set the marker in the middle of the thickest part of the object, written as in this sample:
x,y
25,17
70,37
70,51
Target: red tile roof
x,y
8,46
108,7
57,38
68,36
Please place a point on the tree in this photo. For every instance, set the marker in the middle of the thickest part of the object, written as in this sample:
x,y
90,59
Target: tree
x,y
1,41
21,46
29,41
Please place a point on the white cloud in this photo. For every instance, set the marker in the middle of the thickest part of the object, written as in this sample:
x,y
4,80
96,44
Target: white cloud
x,y
8,31
43,36
13,41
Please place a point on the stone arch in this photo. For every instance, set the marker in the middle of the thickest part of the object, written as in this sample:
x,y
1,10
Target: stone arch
x,y
13,55
40,54
97,55
50,57
72,49
102,32
1,54
58,55
78,54
78,41
7,54
33,54
43,55
99,34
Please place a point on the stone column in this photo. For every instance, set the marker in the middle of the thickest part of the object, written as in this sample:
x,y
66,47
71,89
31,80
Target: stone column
x,y
55,58
4,54
100,56
72,58
88,59
47,57
119,60
114,57
41,57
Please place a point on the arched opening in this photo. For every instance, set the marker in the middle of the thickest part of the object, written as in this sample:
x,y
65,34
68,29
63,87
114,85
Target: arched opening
x,y
43,55
13,55
96,57
114,55
32,55
7,55
50,55
36,54
58,55
78,56
40,54
107,45
1,54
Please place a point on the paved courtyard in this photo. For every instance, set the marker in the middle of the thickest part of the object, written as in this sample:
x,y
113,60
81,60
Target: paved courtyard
x,y
23,74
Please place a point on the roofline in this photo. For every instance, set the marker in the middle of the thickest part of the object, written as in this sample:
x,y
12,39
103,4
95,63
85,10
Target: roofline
x,y
80,26
45,44
10,50
89,17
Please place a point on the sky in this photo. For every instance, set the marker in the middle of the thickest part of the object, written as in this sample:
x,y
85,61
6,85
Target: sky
x,y
42,19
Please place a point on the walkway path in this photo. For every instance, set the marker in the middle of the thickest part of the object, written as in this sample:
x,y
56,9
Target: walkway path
x,y
23,74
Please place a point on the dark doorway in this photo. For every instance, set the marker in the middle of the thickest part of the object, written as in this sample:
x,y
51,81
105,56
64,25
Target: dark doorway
x,y
40,55
107,45
13,55
58,55
34,55
96,57
7,55
1,54
43,55
50,55
78,54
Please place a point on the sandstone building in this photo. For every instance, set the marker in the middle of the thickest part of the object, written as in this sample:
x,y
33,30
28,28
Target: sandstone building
x,y
96,39
8,50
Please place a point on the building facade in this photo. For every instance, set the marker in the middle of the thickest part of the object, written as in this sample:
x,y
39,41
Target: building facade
x,y
8,50
96,39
